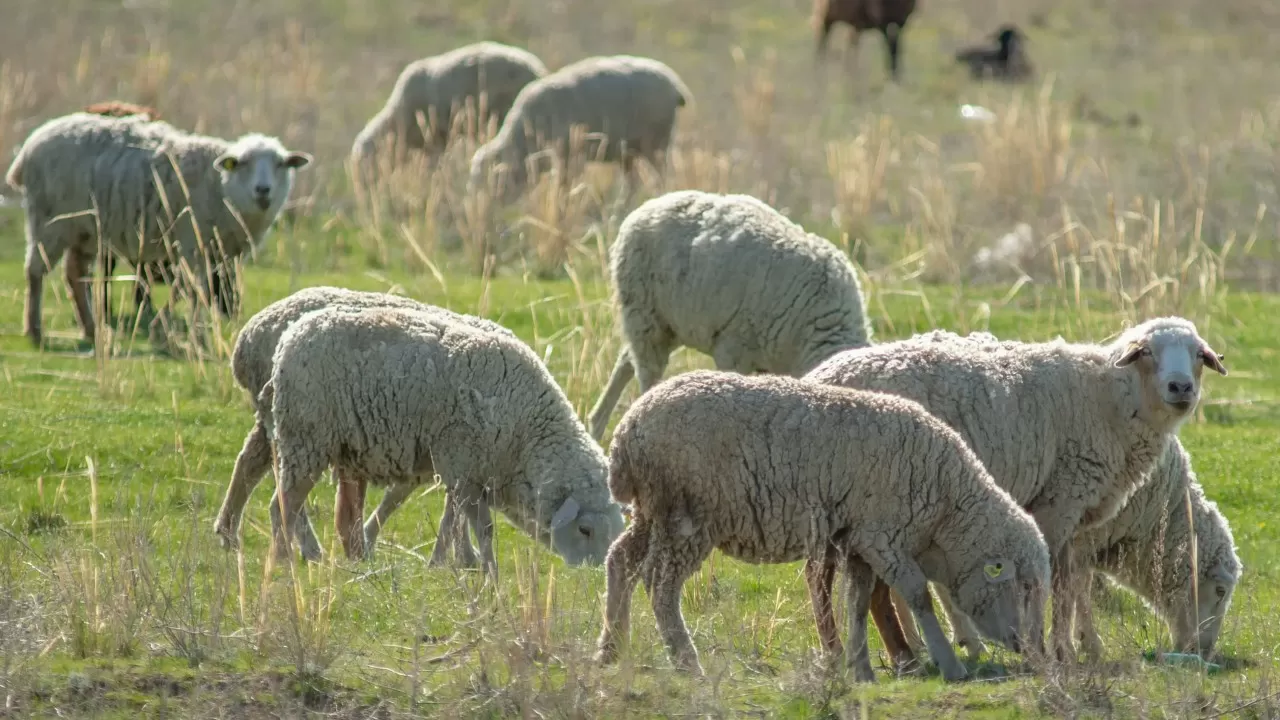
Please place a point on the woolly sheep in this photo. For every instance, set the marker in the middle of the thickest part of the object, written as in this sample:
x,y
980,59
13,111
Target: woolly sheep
x,y
887,16
629,101
251,366
80,162
1071,430
438,87
772,469
729,276
392,394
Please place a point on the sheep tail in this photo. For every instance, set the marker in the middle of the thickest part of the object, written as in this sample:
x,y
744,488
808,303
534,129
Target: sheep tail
x,y
623,467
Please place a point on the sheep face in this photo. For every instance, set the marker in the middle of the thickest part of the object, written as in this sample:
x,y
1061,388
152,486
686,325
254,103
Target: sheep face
x,y
583,537
1005,599
1195,627
1170,356
257,174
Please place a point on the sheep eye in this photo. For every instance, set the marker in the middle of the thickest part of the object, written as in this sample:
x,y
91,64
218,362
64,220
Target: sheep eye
x,y
1222,592
1146,352
586,531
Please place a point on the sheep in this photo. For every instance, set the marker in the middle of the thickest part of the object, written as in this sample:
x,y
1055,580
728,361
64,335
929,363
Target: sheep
x,y
393,394
1007,61
251,367
773,469
729,276
129,182
1071,430
888,16
627,106
489,74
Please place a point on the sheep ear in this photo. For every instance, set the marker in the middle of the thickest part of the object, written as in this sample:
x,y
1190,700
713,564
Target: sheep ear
x,y
1131,353
226,162
1213,359
998,570
567,512
297,160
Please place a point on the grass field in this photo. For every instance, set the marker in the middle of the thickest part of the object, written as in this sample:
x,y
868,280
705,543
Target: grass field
x,y
116,600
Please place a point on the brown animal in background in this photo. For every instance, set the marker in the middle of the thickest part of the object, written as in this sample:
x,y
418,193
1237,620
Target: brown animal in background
x,y
887,16
120,108
1007,60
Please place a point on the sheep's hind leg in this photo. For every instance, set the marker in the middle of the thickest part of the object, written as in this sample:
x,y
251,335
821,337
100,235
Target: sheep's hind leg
x,y
622,570
622,373
905,576
861,584
892,629
681,557
251,464
348,511
79,269
297,473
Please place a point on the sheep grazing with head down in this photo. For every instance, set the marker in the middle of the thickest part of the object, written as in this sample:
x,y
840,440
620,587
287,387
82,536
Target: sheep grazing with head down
x,y
149,191
729,276
625,105
432,92
773,469
395,394
251,366
1070,430
888,16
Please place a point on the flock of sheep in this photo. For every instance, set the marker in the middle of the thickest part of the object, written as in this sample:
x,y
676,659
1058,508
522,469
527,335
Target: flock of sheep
x,y
1001,472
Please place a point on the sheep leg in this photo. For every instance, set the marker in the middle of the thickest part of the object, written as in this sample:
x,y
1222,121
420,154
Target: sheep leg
x,y
452,534
862,582
78,268
296,475
963,631
108,263
622,570
824,32
482,524
1090,640
670,569
622,373
251,464
819,575
348,512
392,499
905,576
890,626
908,624
892,34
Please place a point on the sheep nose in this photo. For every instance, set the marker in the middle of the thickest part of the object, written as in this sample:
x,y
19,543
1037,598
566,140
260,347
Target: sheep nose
x,y
1180,388
262,189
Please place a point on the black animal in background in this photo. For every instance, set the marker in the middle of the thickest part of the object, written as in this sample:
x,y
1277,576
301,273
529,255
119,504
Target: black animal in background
x,y
887,16
1007,60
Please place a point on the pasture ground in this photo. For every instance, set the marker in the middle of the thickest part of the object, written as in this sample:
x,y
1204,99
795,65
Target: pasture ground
x,y
116,600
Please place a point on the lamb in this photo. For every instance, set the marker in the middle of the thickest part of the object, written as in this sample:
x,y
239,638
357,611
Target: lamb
x,y
729,276
489,74
627,106
1006,61
887,16
395,394
130,182
773,469
1071,430
251,366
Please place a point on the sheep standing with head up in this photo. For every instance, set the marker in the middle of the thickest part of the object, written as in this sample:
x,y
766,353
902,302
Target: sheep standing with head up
x,y
626,105
1070,430
729,276
887,16
772,469
430,93
251,365
150,192
394,394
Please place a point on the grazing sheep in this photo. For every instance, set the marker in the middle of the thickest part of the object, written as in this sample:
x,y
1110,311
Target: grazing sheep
x,y
729,276
394,394
1006,61
148,190
251,366
627,106
489,74
1070,430
772,469
887,16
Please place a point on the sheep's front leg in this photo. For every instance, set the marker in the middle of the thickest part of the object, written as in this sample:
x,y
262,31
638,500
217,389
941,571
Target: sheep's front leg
x,y
892,632
1064,586
1090,640
482,524
906,577
963,632
908,622
622,570
251,464
862,582
79,271
819,575
393,498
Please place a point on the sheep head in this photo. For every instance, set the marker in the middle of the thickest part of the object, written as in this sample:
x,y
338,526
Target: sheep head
x,y
257,174
1169,356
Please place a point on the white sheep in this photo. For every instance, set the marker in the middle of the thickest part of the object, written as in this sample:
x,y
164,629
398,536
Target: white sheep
x,y
393,394
251,367
729,276
773,469
1071,430
150,192
429,94
626,105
